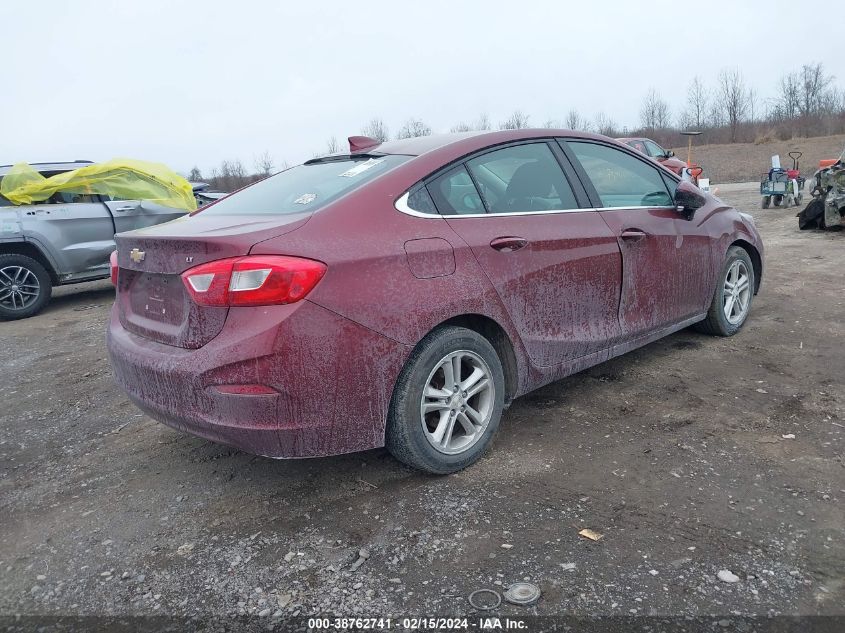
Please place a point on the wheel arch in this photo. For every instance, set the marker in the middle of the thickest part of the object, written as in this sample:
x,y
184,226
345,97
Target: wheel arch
x,y
30,250
501,342
756,261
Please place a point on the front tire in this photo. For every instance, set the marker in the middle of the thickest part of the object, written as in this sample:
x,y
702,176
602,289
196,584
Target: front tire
x,y
447,402
25,287
733,296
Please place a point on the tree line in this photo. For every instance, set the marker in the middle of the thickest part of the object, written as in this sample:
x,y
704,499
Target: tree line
x,y
726,110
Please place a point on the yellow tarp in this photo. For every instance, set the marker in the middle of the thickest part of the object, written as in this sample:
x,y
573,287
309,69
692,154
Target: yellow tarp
x,y
121,178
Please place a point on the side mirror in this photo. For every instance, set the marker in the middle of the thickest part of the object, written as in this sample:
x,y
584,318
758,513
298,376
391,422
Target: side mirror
x,y
688,199
669,153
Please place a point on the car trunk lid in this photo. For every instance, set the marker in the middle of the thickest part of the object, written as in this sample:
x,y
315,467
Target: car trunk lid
x,y
151,297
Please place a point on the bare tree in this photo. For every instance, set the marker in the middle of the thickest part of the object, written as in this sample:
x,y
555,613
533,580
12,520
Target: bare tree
x,y
605,125
733,98
479,125
516,121
376,129
752,105
714,113
264,164
412,128
552,124
229,176
697,102
332,146
814,86
574,121
654,114
789,99
195,175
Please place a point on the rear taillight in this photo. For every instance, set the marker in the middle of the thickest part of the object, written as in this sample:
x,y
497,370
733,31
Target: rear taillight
x,y
255,280
113,267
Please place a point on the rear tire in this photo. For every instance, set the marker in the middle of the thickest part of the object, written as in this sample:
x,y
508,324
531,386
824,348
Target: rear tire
x,y
25,287
766,201
432,426
734,289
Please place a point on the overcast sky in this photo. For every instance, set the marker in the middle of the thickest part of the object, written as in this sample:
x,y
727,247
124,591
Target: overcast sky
x,y
193,83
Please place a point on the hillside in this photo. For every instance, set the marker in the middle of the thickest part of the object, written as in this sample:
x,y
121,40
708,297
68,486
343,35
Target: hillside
x,y
743,162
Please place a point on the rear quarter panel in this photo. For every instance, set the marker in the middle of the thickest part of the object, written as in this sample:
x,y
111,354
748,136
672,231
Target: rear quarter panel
x,y
369,280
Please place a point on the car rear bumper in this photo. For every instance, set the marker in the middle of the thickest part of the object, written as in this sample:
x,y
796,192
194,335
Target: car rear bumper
x,y
332,381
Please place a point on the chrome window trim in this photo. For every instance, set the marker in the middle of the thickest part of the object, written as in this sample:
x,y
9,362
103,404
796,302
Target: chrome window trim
x,y
401,205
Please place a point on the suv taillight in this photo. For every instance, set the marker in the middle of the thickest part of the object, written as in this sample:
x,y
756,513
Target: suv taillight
x,y
113,267
254,280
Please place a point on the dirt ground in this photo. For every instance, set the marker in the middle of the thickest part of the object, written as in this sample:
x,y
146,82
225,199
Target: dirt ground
x,y
676,453
743,162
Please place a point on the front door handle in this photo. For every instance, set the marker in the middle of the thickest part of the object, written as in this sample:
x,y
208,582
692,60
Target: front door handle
x,y
633,235
121,209
508,244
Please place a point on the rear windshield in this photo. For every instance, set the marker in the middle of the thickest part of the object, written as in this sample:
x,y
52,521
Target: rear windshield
x,y
305,187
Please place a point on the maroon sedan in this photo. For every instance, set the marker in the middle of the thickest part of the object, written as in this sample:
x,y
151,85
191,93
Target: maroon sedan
x,y
402,294
665,157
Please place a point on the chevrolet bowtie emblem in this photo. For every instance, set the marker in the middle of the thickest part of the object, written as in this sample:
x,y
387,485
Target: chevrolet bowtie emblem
x,y
136,255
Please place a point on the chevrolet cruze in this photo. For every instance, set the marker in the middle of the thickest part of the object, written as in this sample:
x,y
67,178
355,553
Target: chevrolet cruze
x,y
402,294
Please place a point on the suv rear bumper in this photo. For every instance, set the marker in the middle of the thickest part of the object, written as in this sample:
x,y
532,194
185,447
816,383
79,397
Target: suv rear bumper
x,y
333,380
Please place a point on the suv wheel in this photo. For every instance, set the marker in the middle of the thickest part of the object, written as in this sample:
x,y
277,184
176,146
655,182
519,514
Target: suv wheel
x,y
25,287
447,403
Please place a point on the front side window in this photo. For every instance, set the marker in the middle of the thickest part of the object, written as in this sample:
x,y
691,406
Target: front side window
x,y
655,150
620,179
522,178
305,187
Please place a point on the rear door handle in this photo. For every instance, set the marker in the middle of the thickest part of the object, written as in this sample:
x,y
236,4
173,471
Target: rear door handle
x,y
508,244
125,208
633,235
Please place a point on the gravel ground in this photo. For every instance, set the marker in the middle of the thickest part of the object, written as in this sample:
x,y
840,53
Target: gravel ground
x,y
692,456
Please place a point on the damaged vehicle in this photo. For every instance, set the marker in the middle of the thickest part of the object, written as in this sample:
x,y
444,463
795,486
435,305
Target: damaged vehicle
x,y
402,294
827,208
58,220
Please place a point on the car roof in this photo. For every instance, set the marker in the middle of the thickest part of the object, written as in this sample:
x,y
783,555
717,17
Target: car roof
x,y
625,139
59,166
470,141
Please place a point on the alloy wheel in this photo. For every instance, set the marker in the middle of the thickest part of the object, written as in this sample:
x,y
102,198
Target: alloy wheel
x,y
19,287
737,292
458,402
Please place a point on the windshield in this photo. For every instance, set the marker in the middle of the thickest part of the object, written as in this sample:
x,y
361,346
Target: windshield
x,y
305,187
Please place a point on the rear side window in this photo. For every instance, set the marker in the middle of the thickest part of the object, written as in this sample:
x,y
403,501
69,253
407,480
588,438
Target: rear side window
x,y
305,187
420,200
522,178
454,193
639,146
620,179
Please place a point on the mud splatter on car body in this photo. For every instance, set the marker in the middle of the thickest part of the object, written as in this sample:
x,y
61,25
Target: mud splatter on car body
x,y
573,290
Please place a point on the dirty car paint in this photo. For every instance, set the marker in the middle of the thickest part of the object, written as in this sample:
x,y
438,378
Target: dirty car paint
x,y
571,298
